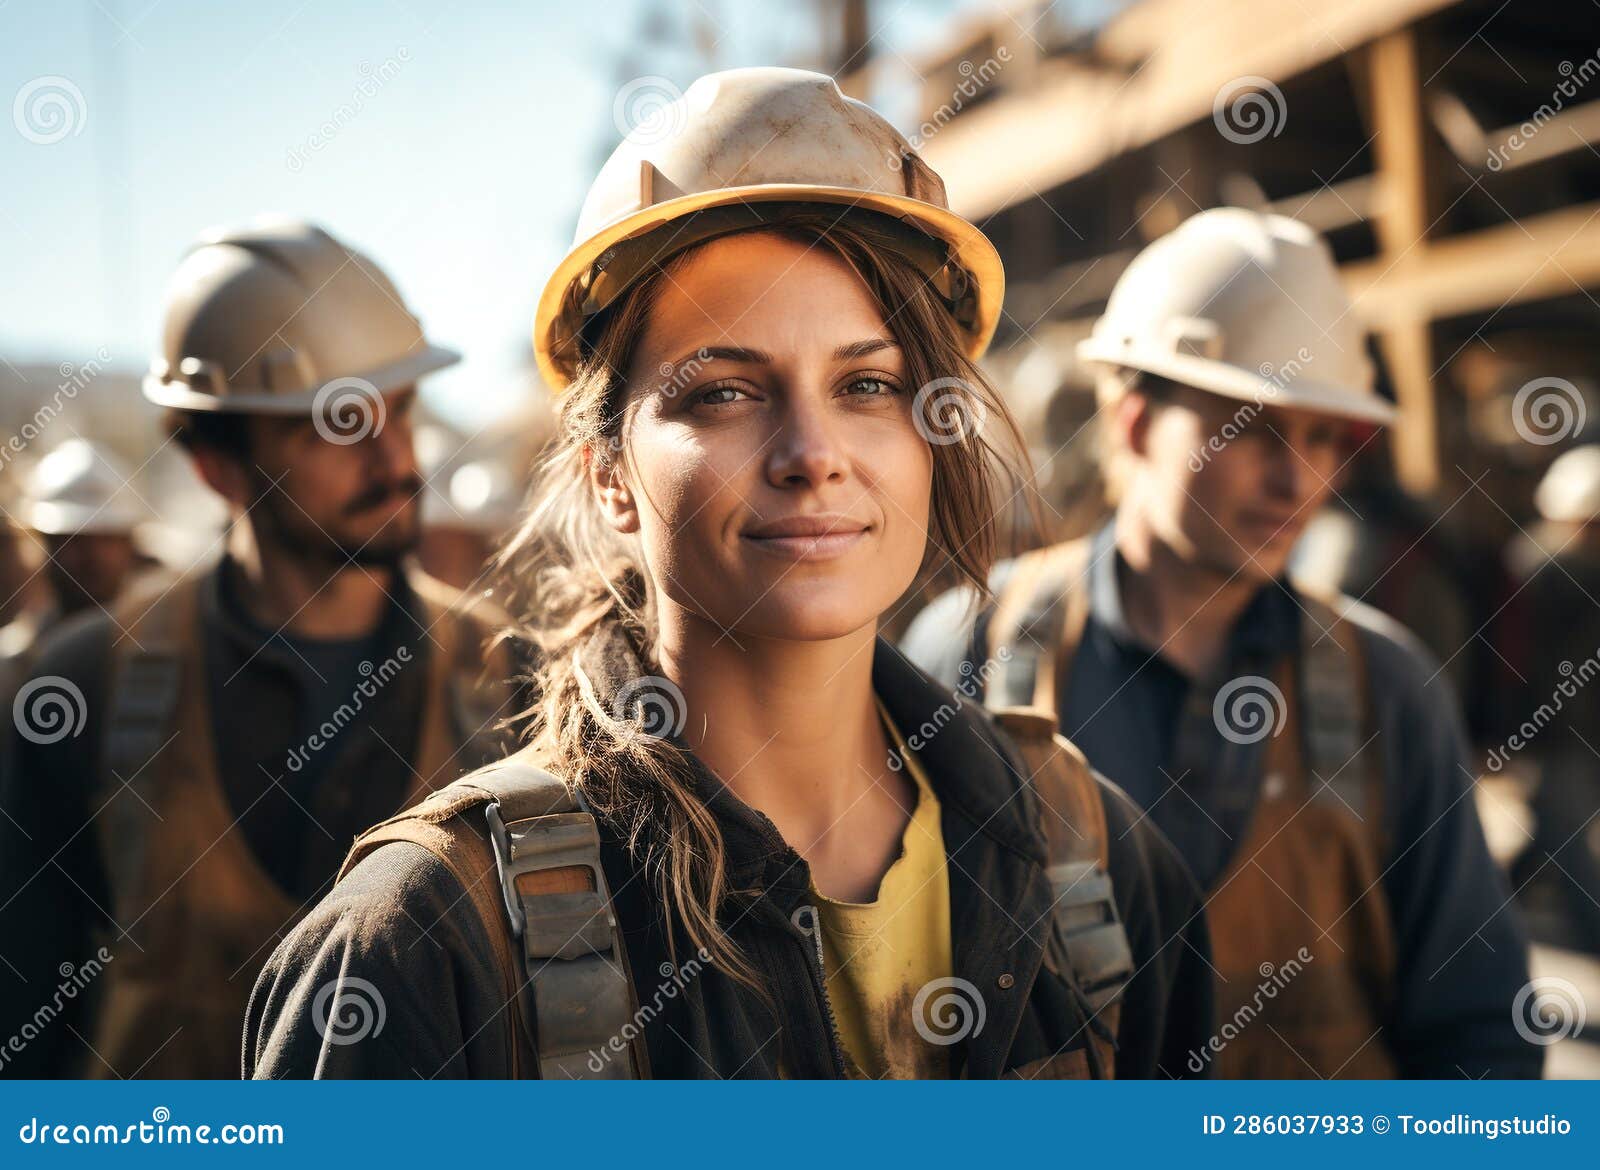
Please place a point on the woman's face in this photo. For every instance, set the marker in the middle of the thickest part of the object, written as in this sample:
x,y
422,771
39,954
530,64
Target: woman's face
x,y
772,468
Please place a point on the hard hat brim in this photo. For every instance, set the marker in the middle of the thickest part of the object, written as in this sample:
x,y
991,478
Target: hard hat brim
x,y
387,379
1230,381
969,247
55,519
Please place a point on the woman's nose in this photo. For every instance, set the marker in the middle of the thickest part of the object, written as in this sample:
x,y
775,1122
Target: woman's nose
x,y
807,450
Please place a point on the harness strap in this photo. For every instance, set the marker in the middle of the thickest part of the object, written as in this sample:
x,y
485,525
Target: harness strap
x,y
1088,943
535,880
1038,623
146,672
1039,619
1337,708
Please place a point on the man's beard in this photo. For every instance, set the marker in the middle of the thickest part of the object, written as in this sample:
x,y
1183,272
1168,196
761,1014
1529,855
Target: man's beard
x,y
287,525
73,593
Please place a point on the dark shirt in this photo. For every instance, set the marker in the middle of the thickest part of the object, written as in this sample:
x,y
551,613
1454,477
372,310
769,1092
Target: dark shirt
x,y
291,757
400,932
1461,946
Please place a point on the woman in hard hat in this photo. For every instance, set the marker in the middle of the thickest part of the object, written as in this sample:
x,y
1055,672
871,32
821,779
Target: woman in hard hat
x,y
747,837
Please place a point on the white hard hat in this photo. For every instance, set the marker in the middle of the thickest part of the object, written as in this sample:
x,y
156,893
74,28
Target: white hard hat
x,y
1570,490
1244,304
78,488
260,319
740,141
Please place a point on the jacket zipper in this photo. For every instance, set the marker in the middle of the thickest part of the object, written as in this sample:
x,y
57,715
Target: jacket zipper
x,y
819,982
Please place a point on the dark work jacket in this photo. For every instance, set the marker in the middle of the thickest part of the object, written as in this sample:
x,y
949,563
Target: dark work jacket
x,y
54,895
398,935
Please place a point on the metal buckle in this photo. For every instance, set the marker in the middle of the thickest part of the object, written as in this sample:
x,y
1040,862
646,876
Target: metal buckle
x,y
1091,930
571,924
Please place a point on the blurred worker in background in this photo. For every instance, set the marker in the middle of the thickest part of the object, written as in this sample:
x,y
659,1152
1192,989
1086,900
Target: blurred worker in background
x,y
1374,540
19,578
78,508
226,736
1303,752
1553,722
467,509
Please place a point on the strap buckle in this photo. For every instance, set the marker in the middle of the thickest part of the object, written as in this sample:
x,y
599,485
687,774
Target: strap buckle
x,y
553,925
1091,930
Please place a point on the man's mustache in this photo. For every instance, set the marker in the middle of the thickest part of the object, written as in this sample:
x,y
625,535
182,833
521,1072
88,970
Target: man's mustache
x,y
408,488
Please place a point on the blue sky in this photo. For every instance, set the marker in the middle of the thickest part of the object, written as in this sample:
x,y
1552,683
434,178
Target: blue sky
x,y
469,134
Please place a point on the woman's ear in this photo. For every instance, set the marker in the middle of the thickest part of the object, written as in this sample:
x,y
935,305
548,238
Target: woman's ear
x,y
611,489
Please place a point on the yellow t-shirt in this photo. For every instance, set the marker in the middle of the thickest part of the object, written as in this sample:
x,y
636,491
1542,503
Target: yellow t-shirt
x,y
879,955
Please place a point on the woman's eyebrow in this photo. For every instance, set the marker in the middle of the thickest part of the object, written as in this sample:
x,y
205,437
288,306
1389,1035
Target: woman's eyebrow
x,y
723,353
859,349
740,353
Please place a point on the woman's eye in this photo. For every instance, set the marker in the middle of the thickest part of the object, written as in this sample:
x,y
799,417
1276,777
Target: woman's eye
x,y
717,395
871,387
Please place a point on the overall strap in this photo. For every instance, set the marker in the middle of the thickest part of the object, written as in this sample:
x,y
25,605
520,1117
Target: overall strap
x,y
1036,627
531,867
1088,942
1337,718
156,632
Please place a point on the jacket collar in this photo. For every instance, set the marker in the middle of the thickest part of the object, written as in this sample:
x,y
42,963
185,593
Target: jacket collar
x,y
1000,899
971,769
969,764
1267,628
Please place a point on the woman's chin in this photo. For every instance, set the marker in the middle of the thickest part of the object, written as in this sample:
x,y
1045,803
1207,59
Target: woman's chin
x,y
813,618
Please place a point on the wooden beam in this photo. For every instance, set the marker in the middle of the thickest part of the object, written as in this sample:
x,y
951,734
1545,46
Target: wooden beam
x,y
1408,353
1401,144
1549,255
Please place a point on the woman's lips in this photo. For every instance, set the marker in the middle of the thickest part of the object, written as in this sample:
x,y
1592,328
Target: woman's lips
x,y
808,538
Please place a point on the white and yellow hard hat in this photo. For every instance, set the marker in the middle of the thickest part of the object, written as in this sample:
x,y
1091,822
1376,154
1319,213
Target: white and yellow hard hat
x,y
726,156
